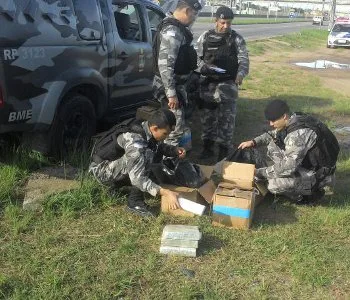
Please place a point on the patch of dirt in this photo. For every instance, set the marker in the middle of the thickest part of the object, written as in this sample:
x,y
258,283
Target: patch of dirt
x,y
48,181
337,80
63,172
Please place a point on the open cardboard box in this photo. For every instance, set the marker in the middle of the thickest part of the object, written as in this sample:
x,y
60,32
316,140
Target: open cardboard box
x,y
235,175
202,195
236,197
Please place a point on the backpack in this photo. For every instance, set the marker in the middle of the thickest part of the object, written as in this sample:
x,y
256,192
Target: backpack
x,y
325,152
106,146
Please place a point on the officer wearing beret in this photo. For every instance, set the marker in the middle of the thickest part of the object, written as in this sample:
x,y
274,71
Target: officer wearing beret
x,y
174,60
223,63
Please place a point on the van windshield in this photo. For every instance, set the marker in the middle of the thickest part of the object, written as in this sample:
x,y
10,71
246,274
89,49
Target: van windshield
x,y
341,28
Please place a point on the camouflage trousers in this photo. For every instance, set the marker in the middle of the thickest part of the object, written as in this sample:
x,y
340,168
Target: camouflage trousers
x,y
109,173
218,113
301,183
159,94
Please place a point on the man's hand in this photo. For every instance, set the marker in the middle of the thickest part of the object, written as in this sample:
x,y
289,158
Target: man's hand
x,y
181,152
173,102
246,144
239,79
172,198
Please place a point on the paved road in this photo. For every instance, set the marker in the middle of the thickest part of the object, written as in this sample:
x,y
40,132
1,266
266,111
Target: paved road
x,y
259,31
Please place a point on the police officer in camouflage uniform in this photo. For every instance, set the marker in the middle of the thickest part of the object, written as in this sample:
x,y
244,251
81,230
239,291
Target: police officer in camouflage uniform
x,y
139,148
225,49
290,174
174,60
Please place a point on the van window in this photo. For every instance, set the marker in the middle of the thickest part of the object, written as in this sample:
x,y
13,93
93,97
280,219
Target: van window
x,y
154,18
88,19
128,21
341,28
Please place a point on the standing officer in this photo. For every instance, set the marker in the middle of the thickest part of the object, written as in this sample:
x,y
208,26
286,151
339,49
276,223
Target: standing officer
x,y
174,60
223,63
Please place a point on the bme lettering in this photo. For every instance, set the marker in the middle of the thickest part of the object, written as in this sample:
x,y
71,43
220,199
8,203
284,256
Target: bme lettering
x,y
20,115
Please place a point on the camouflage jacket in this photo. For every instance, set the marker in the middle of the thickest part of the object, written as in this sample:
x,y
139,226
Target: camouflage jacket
x,y
138,158
287,161
171,38
242,54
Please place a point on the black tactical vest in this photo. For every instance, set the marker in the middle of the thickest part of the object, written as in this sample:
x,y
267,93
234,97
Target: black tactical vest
x,y
324,154
106,146
186,60
220,49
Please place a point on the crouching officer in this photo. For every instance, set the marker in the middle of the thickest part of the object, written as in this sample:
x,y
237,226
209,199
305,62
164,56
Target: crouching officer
x,y
174,60
223,63
126,153
303,150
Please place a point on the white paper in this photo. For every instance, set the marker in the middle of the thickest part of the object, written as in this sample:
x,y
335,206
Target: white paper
x,y
218,70
191,206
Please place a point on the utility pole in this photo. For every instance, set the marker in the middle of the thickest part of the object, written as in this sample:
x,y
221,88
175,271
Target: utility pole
x,y
332,15
322,13
276,7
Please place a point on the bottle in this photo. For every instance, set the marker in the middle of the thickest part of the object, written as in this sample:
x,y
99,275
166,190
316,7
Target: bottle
x,y
186,139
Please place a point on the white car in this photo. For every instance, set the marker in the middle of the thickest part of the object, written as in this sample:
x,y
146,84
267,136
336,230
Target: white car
x,y
339,36
317,20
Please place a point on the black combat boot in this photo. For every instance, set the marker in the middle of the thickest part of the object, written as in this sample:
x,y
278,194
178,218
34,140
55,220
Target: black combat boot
x,y
207,150
136,203
312,199
223,150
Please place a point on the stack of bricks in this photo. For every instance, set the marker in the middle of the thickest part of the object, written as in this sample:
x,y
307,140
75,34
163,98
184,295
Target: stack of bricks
x,y
180,240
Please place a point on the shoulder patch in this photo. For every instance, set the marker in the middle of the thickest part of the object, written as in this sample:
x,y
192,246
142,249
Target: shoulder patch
x,y
140,144
170,33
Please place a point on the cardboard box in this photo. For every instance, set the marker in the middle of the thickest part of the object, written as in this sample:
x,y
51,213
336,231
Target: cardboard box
x,y
236,197
202,195
240,175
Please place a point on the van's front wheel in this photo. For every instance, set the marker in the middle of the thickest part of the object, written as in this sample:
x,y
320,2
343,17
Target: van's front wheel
x,y
73,127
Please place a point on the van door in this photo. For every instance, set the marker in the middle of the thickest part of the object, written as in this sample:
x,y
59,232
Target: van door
x,y
130,81
155,16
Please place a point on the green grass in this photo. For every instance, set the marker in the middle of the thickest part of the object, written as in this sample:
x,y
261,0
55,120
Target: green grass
x,y
305,39
248,21
84,246
13,171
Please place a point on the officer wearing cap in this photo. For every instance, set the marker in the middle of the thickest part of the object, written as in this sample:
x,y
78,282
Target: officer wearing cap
x,y
174,60
298,151
223,63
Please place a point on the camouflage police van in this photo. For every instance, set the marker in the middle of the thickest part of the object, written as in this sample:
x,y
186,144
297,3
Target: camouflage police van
x,y
65,64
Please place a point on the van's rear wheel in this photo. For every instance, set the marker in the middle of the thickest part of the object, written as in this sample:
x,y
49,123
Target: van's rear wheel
x,y
73,127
